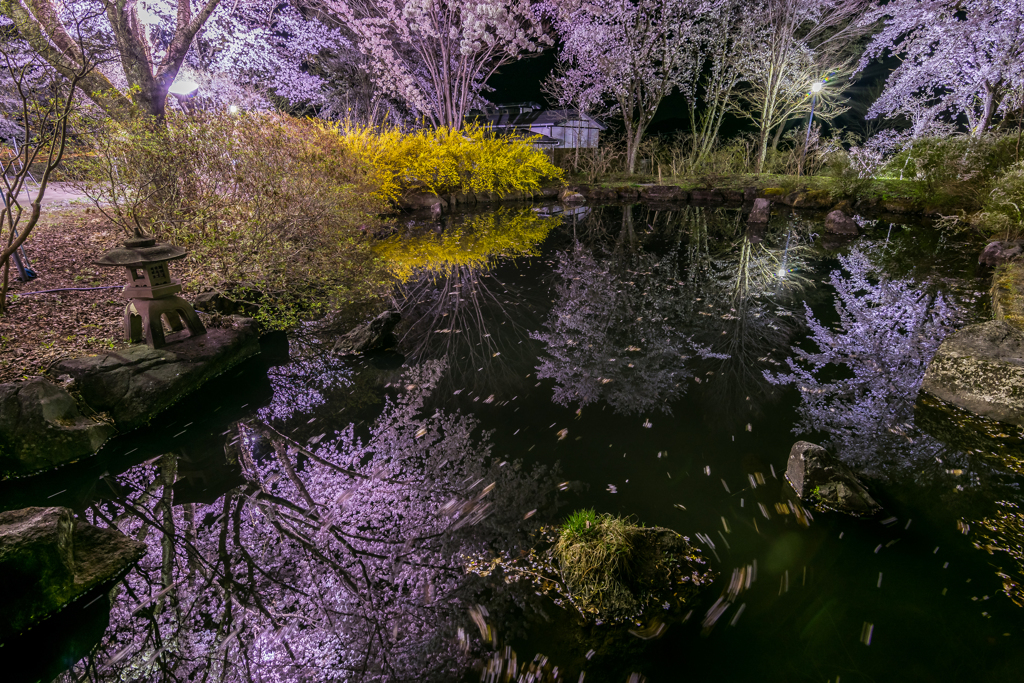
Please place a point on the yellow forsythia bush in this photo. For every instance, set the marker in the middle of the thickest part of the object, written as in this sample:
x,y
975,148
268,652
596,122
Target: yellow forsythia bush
x,y
446,160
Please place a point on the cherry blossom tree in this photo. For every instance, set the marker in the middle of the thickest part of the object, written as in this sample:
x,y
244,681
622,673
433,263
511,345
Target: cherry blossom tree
x,y
632,53
149,57
261,45
437,55
956,59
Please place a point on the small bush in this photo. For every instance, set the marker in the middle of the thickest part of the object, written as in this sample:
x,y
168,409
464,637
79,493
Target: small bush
x,y
267,203
958,166
1003,211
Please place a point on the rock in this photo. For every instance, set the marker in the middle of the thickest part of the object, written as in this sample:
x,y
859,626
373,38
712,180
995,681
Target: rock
x,y
421,200
839,223
901,205
706,196
733,196
627,193
464,198
41,428
546,193
663,193
791,198
598,193
999,252
981,369
749,194
135,384
760,212
818,477
568,196
238,299
812,199
517,196
47,560
661,566
368,336
843,206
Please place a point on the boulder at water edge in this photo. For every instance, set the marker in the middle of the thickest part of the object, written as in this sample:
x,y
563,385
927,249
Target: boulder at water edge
x,y
42,428
839,223
999,252
760,212
48,560
981,369
819,477
369,336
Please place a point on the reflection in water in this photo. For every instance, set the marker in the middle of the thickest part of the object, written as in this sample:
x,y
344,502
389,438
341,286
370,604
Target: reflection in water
x,y
859,387
337,562
636,308
615,332
452,301
1003,532
473,241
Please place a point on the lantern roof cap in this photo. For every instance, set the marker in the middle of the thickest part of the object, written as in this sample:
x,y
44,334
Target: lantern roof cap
x,y
139,251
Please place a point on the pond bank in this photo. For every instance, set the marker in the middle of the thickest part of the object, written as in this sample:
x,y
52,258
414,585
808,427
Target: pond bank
x,y
44,425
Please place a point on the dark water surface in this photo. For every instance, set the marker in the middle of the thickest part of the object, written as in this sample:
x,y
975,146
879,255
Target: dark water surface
x,y
313,518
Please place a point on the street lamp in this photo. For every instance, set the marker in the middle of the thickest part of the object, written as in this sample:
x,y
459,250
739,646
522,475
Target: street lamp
x,y
815,89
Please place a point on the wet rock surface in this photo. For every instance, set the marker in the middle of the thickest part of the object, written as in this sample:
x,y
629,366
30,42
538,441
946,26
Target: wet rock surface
x,y
664,193
819,477
761,211
981,368
135,384
369,336
839,223
41,427
48,560
1000,252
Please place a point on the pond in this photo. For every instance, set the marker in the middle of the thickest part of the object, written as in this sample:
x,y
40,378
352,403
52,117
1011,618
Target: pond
x,y
312,519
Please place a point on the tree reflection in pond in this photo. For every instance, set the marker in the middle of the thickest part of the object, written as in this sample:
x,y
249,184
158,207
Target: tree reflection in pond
x,y
338,562
860,385
636,309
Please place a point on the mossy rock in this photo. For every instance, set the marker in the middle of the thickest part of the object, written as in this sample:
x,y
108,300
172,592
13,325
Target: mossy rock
x,y
615,570
775,192
1008,294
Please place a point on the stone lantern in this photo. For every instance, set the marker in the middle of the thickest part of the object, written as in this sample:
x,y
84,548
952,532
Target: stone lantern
x,y
151,291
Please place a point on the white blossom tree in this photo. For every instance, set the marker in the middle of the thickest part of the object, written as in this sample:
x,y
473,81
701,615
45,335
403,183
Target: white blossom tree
x,y
632,53
437,55
958,58
788,46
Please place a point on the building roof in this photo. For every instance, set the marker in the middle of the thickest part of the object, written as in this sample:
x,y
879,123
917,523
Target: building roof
x,y
519,116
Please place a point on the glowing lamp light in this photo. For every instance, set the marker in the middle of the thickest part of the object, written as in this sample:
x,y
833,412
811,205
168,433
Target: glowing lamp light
x,y
782,272
184,88
233,109
816,87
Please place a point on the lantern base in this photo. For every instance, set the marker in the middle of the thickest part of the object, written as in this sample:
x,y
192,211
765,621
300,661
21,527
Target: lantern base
x,y
143,319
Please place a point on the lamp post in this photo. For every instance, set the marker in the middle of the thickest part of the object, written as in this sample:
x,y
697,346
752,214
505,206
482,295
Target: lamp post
x,y
815,89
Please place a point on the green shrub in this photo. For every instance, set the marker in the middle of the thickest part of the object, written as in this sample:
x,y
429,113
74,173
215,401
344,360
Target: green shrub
x,y
263,202
1003,211
959,166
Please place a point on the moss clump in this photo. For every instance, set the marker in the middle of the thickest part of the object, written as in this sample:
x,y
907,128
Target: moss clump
x,y
1008,294
613,568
